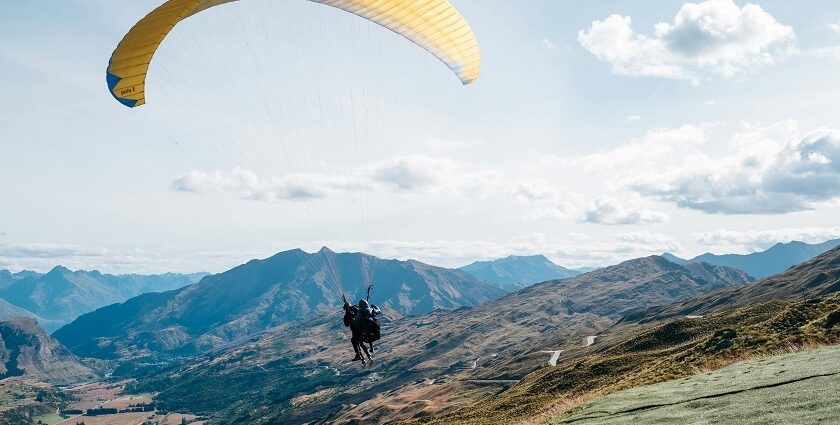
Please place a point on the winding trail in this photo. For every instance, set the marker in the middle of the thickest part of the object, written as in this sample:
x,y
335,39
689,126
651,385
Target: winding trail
x,y
555,355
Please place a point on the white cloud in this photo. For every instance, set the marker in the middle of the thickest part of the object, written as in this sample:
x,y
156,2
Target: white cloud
x,y
549,45
44,256
835,27
406,174
606,210
764,170
572,250
768,177
413,172
725,240
710,103
553,204
657,147
634,118
712,38
249,185
536,191
826,52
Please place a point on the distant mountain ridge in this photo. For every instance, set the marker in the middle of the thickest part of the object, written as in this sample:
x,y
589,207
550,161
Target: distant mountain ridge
x,y
61,295
816,277
776,259
502,337
516,272
260,294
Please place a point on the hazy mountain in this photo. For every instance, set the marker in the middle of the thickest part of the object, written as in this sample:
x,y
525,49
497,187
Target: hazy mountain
x,y
813,278
424,357
264,293
61,295
26,350
10,311
516,272
776,259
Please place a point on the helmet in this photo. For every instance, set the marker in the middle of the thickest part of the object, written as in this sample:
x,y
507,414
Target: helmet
x,y
363,303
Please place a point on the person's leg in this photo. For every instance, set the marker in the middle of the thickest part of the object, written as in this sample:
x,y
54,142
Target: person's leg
x,y
355,341
364,348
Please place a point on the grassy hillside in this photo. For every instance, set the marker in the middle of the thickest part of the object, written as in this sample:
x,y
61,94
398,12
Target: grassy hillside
x,y
633,356
796,388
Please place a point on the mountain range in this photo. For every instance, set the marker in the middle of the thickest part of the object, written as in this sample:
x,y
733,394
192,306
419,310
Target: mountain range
x,y
776,259
61,295
668,343
516,272
507,335
264,343
261,294
814,278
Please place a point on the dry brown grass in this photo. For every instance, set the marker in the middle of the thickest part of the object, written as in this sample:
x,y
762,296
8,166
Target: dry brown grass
x,y
657,353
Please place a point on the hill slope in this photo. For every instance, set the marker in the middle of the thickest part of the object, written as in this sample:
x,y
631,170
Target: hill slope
x,y
516,272
776,259
630,357
26,350
261,294
61,295
815,277
796,388
661,344
423,355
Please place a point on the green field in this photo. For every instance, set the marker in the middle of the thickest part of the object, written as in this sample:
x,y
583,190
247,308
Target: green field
x,y
50,419
800,388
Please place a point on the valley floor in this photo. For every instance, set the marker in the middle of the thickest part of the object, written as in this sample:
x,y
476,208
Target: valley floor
x,y
796,388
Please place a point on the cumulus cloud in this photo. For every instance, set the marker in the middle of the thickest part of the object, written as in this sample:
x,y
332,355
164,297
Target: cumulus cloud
x,y
749,241
553,204
712,38
835,27
634,118
249,185
773,169
407,174
657,147
606,210
420,174
771,178
412,172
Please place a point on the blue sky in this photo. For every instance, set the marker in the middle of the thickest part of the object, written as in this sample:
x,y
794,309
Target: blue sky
x,y
598,131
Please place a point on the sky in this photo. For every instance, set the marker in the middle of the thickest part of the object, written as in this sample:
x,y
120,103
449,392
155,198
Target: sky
x,y
597,132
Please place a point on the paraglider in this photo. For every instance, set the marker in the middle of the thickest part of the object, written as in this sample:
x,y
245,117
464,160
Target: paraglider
x,y
364,327
434,25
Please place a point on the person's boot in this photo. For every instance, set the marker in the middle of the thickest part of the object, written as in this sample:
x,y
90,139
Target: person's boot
x,y
357,358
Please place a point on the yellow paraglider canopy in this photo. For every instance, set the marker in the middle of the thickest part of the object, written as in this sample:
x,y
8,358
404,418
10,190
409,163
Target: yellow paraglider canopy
x,y
434,25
